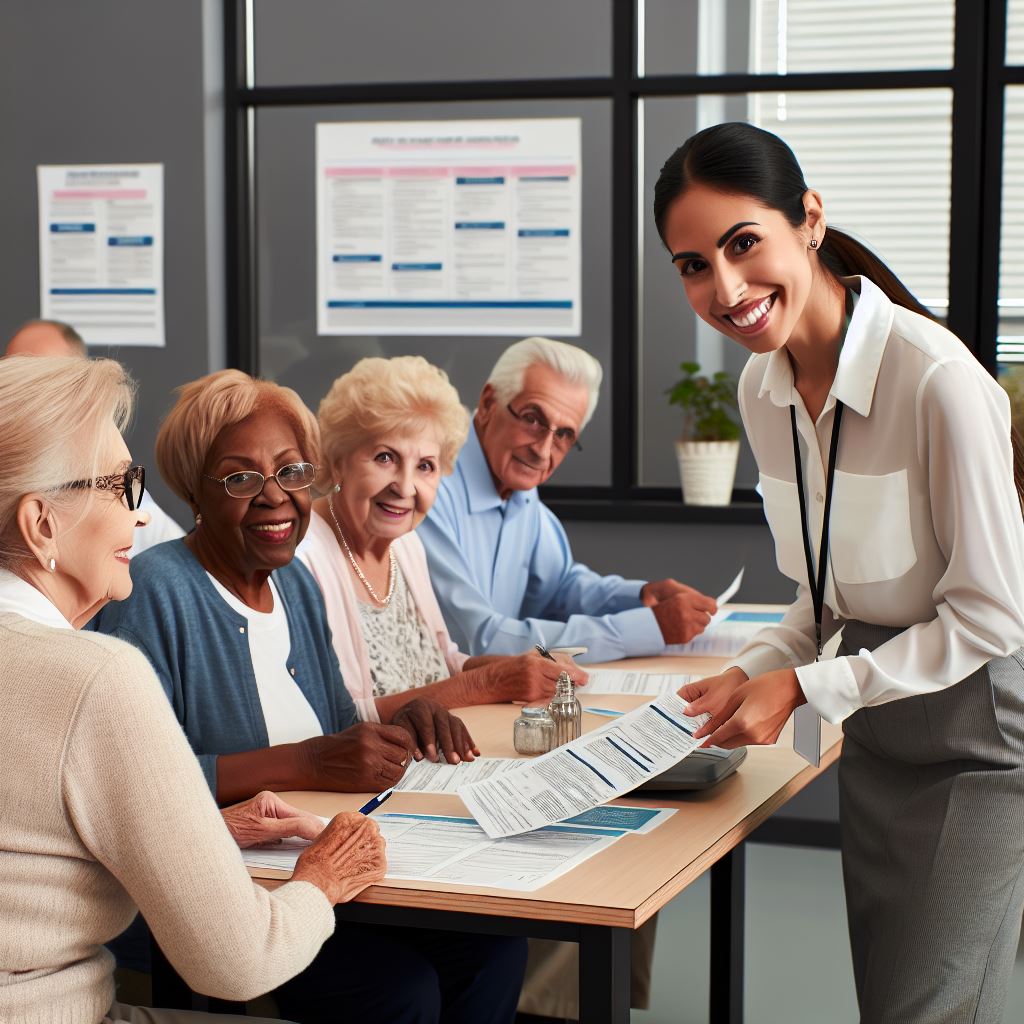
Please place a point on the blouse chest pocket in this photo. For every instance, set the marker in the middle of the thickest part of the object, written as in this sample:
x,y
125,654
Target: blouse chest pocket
x,y
870,538
782,510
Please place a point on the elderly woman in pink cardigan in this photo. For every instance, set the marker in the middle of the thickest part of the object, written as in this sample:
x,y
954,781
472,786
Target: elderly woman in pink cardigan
x,y
390,429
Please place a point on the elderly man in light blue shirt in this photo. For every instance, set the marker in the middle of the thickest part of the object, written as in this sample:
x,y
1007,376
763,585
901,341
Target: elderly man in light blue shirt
x,y
500,561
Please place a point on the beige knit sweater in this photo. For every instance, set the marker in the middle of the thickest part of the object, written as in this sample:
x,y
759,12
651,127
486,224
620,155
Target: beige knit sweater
x,y
103,809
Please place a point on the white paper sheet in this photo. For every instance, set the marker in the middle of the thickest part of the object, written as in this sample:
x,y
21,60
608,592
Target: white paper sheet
x,y
728,636
433,777
597,767
101,251
617,680
448,227
424,847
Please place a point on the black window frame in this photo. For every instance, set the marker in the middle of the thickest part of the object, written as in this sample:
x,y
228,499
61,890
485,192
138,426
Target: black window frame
x,y
977,81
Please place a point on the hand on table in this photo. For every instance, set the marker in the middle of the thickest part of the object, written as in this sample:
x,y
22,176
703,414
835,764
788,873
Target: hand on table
x,y
436,733
347,856
365,758
743,711
680,611
267,818
530,677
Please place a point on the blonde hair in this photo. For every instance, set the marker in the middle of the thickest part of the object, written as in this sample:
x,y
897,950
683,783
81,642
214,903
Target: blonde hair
x,y
383,396
571,362
208,405
53,411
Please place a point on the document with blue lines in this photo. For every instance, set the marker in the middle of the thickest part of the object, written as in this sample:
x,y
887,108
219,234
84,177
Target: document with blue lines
x,y
578,776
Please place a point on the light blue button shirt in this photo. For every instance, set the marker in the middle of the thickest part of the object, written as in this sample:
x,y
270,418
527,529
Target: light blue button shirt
x,y
505,577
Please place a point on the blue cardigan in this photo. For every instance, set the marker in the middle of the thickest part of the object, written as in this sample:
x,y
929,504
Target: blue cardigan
x,y
199,648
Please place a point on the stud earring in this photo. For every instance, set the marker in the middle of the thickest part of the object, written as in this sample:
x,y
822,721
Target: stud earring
x,y
814,244
199,518
53,565
337,488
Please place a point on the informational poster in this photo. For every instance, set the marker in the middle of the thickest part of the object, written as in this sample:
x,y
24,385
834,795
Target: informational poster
x,y
448,227
101,245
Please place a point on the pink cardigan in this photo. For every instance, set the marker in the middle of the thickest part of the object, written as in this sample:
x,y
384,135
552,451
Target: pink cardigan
x,y
322,555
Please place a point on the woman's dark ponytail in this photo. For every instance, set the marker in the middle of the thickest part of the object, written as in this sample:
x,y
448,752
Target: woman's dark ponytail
x,y
740,158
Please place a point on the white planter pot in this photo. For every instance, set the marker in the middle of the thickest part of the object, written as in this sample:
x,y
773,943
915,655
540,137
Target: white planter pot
x,y
707,470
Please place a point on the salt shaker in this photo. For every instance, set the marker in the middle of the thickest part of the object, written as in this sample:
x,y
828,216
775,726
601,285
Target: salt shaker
x,y
565,712
533,731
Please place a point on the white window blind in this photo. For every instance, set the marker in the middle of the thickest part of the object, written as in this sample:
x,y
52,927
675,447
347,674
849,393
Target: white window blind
x,y
1010,338
880,158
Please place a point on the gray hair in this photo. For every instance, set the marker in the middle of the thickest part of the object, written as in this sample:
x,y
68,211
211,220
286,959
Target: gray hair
x,y
571,362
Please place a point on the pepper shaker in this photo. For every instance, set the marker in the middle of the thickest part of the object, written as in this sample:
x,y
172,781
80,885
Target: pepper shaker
x,y
565,712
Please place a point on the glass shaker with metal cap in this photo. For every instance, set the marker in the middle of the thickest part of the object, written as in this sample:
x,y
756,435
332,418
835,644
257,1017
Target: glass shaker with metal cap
x,y
565,711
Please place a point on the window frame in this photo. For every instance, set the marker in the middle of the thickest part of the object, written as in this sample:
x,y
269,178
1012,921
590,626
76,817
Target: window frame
x,y
977,81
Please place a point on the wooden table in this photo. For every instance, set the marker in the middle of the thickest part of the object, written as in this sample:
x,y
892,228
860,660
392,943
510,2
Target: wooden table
x,y
600,902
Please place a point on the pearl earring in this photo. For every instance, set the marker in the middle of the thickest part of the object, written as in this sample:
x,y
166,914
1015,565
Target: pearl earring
x,y
337,488
53,565
199,518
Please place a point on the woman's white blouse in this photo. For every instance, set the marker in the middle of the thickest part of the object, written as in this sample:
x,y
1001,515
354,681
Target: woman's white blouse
x,y
926,529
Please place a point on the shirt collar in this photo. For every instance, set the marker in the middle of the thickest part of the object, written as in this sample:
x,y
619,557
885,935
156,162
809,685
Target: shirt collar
x,y
20,597
476,475
859,360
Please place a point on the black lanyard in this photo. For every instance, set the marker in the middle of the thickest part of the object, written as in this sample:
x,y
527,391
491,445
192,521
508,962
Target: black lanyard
x,y
817,585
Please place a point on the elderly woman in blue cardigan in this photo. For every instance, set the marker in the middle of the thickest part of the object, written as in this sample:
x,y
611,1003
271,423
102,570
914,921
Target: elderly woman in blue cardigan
x,y
237,633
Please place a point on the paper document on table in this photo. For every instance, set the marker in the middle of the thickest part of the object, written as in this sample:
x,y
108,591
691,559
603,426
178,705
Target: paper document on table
x,y
439,777
590,771
616,680
425,847
727,636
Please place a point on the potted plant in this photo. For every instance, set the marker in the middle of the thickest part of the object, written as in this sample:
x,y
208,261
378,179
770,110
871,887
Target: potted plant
x,y
709,446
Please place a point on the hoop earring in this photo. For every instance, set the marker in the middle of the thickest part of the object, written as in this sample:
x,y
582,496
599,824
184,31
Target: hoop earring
x,y
814,244
52,566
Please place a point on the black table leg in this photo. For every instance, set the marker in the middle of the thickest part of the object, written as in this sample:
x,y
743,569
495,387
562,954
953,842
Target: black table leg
x,y
728,882
604,974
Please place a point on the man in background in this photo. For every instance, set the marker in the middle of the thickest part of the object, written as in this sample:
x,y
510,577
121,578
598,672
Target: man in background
x,y
54,338
500,561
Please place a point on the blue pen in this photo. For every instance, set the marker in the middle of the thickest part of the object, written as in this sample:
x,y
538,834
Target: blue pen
x,y
371,805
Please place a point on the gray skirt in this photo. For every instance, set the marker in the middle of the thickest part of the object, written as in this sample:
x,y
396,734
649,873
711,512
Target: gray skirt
x,y
931,797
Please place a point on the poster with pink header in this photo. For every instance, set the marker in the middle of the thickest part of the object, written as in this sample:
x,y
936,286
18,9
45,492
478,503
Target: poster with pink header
x,y
448,227
101,251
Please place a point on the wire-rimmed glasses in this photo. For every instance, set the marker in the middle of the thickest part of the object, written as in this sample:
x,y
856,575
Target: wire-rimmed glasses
x,y
296,476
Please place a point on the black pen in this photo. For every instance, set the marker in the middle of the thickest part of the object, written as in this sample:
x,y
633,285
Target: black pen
x,y
543,652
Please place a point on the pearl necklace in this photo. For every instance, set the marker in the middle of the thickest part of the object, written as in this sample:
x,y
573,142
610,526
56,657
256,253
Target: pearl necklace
x,y
386,599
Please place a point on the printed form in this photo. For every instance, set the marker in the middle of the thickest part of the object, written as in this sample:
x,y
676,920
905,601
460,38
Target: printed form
x,y
592,770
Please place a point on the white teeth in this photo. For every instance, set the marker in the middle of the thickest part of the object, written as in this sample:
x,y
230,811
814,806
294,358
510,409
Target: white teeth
x,y
273,527
754,314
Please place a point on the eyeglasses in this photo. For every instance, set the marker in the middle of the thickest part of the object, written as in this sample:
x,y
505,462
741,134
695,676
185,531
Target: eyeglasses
x,y
129,486
296,476
537,427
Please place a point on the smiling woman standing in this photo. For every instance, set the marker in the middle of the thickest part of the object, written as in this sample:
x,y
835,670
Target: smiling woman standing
x,y
888,481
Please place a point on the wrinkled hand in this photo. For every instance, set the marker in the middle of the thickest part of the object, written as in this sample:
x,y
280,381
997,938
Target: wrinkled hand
x,y
432,726
682,614
531,677
365,758
346,858
743,711
267,818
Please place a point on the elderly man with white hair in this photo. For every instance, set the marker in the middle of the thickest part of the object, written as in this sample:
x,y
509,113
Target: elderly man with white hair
x,y
500,561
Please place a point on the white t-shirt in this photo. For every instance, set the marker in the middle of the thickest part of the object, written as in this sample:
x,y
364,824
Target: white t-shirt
x,y
288,714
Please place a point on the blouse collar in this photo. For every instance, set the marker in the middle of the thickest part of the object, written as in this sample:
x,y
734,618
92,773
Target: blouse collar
x,y
21,598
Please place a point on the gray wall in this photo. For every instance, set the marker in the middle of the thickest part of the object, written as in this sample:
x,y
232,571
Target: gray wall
x,y
113,81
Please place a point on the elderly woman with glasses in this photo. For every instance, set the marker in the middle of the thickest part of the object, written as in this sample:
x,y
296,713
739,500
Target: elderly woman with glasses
x,y
105,808
238,635
391,429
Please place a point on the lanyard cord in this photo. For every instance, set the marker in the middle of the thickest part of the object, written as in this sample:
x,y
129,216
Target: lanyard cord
x,y
817,585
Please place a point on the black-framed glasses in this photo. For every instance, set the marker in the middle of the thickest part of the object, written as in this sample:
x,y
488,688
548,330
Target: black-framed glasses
x,y
537,427
129,486
296,476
